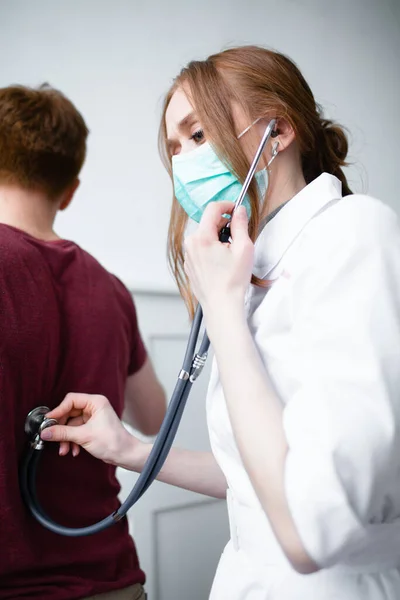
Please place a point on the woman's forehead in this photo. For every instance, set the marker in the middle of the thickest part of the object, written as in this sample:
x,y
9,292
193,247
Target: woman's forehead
x,y
179,109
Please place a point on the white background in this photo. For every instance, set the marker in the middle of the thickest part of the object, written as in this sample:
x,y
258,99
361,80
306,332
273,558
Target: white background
x,y
116,59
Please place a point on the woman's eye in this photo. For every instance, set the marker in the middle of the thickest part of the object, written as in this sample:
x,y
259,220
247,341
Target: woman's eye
x,y
198,136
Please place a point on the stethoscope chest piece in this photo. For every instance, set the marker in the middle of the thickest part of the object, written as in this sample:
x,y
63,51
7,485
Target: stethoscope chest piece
x,y
35,422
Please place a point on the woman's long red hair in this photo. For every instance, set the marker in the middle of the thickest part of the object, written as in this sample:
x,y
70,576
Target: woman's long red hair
x,y
263,83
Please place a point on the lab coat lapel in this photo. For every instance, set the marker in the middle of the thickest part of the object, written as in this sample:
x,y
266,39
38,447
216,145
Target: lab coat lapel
x,y
283,229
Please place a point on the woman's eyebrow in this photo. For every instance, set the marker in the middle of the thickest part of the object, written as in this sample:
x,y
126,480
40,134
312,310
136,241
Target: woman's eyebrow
x,y
182,125
187,119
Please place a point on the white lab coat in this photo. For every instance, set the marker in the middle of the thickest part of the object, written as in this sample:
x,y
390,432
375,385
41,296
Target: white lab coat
x,y
328,331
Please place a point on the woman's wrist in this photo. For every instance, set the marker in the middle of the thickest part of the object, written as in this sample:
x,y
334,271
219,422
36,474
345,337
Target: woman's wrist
x,y
132,453
226,314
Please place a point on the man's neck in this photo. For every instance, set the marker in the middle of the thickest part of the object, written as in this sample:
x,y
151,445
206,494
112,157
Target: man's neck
x,y
30,211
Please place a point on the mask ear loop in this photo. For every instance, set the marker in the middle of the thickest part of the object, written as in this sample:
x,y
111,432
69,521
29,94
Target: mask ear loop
x,y
275,147
248,128
274,154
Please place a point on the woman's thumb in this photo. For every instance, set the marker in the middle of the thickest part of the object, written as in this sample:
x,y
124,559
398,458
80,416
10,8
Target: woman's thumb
x,y
240,224
62,433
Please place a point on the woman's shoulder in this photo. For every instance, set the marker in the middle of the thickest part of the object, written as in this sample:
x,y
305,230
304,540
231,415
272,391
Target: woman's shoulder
x,y
355,220
363,210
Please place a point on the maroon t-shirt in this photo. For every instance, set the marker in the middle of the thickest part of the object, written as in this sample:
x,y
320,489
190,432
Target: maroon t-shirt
x,y
66,325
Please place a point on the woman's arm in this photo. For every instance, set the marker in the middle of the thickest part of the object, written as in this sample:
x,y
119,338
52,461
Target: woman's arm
x,y
255,410
324,464
256,413
194,471
94,425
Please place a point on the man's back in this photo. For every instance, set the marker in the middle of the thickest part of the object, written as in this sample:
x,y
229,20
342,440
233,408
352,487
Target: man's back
x,y
65,325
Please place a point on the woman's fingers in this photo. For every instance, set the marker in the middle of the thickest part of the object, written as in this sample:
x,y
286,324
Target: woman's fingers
x,y
76,422
75,450
64,448
242,246
73,404
240,224
212,220
95,427
67,408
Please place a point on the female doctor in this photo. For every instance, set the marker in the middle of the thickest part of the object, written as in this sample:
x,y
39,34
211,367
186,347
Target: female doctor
x,y
303,404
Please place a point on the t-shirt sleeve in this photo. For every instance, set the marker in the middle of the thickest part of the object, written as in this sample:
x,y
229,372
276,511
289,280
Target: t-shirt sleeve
x,y
342,424
137,350
138,353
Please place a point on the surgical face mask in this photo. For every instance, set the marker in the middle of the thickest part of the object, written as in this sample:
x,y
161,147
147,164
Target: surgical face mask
x,y
200,177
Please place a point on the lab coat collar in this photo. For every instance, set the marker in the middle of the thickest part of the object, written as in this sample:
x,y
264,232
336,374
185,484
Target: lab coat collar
x,y
281,231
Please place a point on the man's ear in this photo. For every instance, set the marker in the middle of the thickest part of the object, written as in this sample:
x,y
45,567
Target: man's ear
x,y
69,194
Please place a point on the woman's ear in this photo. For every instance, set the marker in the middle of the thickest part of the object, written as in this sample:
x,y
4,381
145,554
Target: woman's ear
x,y
285,134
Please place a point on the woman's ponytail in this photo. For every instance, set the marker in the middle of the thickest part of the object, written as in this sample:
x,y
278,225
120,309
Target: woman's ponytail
x,y
328,154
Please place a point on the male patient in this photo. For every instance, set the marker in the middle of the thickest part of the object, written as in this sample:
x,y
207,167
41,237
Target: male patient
x,y
66,324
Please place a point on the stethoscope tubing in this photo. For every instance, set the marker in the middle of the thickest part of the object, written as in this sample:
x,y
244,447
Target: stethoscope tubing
x,y
192,366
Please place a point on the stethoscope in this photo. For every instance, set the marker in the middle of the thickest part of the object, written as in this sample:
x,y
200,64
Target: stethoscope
x,y
192,366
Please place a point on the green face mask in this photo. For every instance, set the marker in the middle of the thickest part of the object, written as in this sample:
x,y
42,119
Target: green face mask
x,y
200,177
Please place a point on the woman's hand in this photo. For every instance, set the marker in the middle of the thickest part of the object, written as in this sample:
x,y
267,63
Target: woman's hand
x,y
89,421
219,274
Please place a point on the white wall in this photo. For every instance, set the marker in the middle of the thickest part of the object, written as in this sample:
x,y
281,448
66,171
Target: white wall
x,y
115,59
